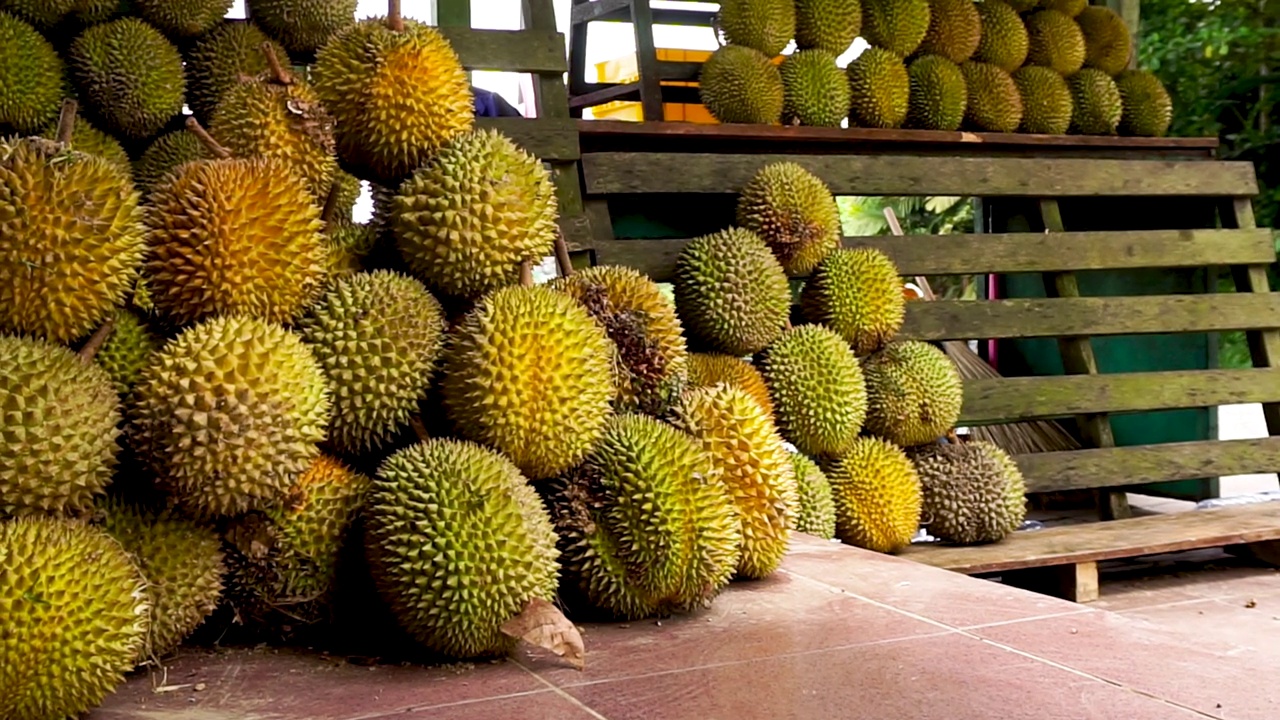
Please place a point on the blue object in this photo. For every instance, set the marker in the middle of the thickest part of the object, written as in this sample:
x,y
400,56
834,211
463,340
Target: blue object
x,y
491,104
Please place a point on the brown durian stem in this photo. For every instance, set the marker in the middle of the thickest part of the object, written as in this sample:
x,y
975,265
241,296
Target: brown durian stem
x,y
526,273
330,206
419,428
395,20
91,348
194,126
564,263
283,77
67,120
787,325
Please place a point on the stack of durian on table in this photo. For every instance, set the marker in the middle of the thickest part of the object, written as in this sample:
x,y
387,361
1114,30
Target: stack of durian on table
x,y
1033,66
223,401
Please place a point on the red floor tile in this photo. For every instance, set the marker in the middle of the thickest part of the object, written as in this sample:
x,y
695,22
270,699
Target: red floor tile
x,y
548,705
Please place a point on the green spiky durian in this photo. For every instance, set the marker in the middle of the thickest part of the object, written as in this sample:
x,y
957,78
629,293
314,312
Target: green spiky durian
x,y
1108,43
818,392
973,492
1054,41
1146,108
877,496
31,77
493,547
817,515
1070,8
1022,6
234,236
895,25
182,564
468,218
349,189
217,60
793,211
748,453
1003,41
88,139
184,19
653,358
955,28
59,430
763,25
93,12
830,25
127,350
1098,105
398,97
858,293
880,89
303,26
130,75
42,14
913,393
164,155
646,524
71,239
740,85
731,293
708,369
75,617
529,373
815,89
228,415
1046,100
938,95
994,105
348,246
377,336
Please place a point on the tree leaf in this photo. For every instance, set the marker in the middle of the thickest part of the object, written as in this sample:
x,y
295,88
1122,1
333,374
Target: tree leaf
x,y
542,624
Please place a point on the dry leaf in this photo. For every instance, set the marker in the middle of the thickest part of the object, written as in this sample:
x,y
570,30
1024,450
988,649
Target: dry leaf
x,y
542,624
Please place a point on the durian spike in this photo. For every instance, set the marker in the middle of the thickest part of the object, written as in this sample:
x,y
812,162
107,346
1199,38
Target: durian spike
x,y
564,263
526,273
67,121
95,342
282,76
194,126
330,206
394,20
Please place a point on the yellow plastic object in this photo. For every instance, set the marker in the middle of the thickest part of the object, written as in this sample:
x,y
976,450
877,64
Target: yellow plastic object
x,y
625,69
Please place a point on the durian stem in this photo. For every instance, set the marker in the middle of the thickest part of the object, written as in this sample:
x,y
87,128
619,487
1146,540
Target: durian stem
x,y
330,205
564,263
419,428
787,325
395,20
91,348
526,273
67,120
283,77
194,126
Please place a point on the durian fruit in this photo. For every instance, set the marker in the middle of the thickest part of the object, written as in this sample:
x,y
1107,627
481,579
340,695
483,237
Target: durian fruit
x,y
877,495
1055,42
377,336
303,26
284,560
163,155
938,94
653,358
1046,100
31,77
58,435
955,29
817,515
895,25
468,218
90,140
234,236
75,617
93,12
763,25
71,239
1003,41
1023,6
349,244
973,492
127,350
830,25
182,563
42,14
913,393
708,369
646,525
228,415
217,60
740,85
185,19
1070,8
1098,105
398,95
881,89
815,89
795,214
747,451
995,105
1108,44
349,188
818,392
858,293
529,373
732,295
491,547
1146,108
130,76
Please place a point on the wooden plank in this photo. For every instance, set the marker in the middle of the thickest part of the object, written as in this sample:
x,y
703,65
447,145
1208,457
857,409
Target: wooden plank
x,y
1077,582
630,173
1143,464
549,139
1093,542
646,61
996,400
528,51
1093,316
1264,345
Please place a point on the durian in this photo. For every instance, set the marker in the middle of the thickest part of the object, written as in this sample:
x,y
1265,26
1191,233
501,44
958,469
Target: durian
x,y
858,293
180,19
43,14
818,392
1070,8
817,514
763,25
897,26
792,210
955,29
31,77
127,350
830,25
1003,41
1108,44
913,393
880,88
973,492
130,75
877,496
90,140
164,155
304,26
217,60
938,95
1055,42
815,89
994,105
1146,108
1046,100
708,369
740,85
1097,102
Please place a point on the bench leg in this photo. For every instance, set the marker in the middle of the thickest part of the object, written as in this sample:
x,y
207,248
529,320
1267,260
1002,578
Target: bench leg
x,y
1077,582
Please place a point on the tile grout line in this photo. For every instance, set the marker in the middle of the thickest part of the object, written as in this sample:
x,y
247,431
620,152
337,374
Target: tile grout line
x,y
456,703
561,692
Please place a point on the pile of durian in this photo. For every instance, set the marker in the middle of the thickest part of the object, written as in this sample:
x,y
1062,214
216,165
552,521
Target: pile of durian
x,y
223,401
1031,66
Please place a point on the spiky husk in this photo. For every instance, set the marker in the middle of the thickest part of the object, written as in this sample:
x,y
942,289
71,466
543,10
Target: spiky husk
x,y
90,140
792,210
815,89
1146,108
830,25
1046,100
127,350
1070,8
1108,43
818,392
31,77
348,246
817,513
164,155
303,26
740,85
1098,105
898,26
179,19
217,61
1003,41
763,25
130,76
708,369
877,496
43,14
973,492
858,293
1055,41
955,28
995,105
881,89
939,94
731,293
913,392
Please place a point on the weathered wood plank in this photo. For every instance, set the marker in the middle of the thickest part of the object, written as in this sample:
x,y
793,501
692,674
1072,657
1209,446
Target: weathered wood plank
x,y
1264,345
1092,542
1095,316
529,51
622,172
1142,464
548,139
995,400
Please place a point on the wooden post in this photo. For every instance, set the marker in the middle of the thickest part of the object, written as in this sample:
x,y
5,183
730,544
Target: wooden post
x,y
647,61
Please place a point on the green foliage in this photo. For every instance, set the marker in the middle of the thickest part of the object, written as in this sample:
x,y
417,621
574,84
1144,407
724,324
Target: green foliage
x,y
935,215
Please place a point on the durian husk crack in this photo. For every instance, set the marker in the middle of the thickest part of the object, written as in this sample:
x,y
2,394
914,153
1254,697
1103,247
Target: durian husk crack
x,y
640,353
